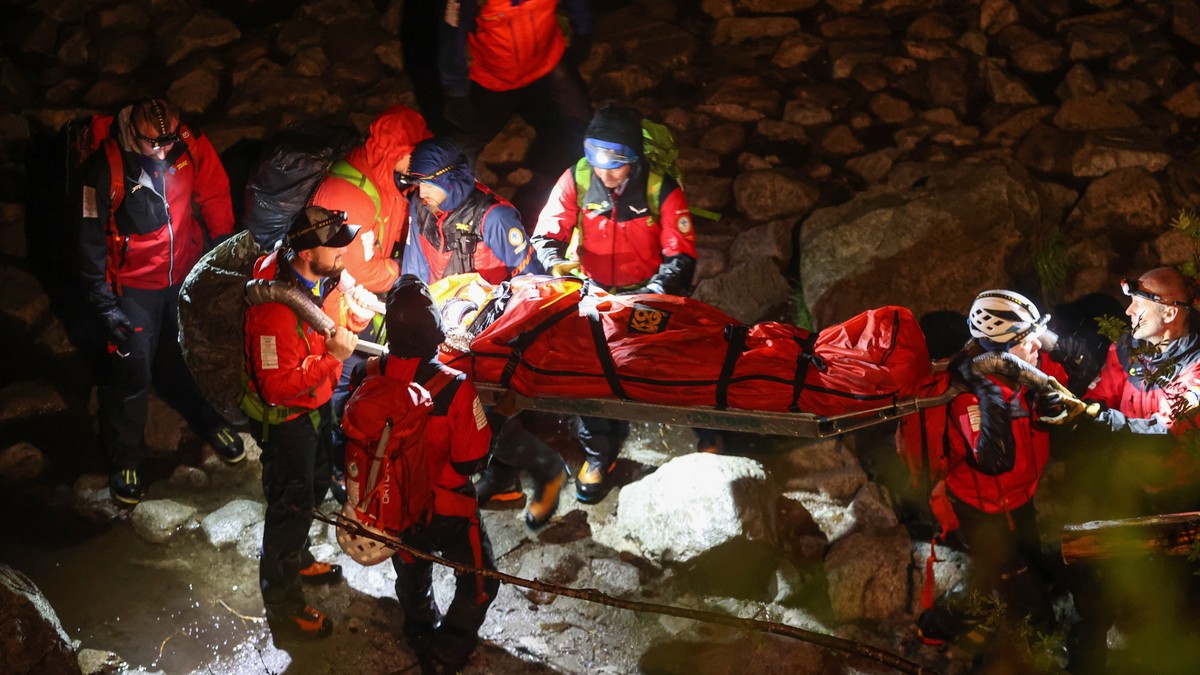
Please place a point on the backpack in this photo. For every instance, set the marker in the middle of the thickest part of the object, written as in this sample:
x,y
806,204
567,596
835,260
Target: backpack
x,y
292,165
387,463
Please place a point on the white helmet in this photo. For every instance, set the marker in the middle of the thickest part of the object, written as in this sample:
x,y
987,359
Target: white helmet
x,y
1005,317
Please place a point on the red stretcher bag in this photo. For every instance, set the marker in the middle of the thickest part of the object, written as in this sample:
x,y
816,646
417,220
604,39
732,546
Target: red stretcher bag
x,y
556,337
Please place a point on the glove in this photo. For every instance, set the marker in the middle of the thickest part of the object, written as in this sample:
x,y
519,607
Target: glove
x,y
652,287
120,330
1075,408
357,308
1050,408
579,49
458,111
565,269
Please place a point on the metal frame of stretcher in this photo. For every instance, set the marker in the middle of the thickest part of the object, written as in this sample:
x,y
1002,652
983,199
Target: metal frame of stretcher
x,y
804,425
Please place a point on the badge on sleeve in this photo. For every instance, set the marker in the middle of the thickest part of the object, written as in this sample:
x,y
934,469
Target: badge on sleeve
x,y
685,225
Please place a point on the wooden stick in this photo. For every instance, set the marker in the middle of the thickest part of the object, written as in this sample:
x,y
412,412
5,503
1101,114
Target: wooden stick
x,y
1167,534
592,595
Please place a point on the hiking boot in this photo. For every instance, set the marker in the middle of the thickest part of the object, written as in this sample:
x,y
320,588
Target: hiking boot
x,y
306,623
939,625
592,480
227,444
545,500
321,573
498,486
126,487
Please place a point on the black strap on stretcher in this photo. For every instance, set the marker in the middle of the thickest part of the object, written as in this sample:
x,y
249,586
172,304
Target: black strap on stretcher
x,y
587,306
522,341
735,337
805,358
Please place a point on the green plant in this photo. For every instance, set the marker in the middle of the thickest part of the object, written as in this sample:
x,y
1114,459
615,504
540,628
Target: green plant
x,y
800,314
1052,263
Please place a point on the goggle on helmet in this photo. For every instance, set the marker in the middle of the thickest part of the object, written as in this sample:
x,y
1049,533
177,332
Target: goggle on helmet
x,y
1005,317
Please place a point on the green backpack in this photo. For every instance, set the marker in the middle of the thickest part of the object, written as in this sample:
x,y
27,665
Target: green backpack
x,y
662,155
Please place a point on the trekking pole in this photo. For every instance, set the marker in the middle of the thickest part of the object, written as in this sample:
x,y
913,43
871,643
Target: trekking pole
x,y
592,595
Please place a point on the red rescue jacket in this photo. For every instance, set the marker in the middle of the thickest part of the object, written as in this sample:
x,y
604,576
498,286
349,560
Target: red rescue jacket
x,y
153,238
623,242
369,259
287,362
514,44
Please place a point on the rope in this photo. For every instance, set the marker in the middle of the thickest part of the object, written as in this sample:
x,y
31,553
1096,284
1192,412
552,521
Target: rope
x,y
592,595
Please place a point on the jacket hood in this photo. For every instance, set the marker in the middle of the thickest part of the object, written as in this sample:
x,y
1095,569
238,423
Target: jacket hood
x,y
437,153
392,135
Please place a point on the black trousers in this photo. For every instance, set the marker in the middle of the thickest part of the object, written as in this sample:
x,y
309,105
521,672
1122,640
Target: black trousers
x,y
295,478
600,437
154,358
515,448
453,638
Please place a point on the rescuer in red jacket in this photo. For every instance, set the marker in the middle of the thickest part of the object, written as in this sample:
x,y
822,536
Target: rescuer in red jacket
x,y
153,195
630,240
292,369
1138,417
456,440
997,452
504,57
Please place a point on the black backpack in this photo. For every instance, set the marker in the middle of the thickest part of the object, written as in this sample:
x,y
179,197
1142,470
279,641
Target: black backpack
x,y
292,165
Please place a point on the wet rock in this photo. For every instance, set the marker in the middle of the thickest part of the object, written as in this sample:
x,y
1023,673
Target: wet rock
x,y
747,291
33,639
249,542
99,662
771,195
695,503
21,462
30,398
93,500
844,250
950,569
226,524
868,575
157,520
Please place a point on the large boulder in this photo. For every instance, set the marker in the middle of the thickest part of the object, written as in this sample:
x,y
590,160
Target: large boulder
x,y
927,249
32,639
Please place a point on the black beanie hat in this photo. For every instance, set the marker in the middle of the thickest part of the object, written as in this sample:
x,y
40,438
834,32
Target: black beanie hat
x,y
414,326
618,124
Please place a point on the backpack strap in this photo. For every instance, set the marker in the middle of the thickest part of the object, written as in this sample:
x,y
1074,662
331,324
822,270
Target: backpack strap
x,y
116,175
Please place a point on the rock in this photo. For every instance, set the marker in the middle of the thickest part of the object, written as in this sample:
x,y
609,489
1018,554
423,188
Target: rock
x,y
868,575
738,30
777,6
840,140
1004,88
1107,151
1090,113
951,569
28,399
97,662
249,542
1095,42
157,520
1129,203
695,503
21,461
1185,102
119,52
769,240
890,109
741,99
22,297
1040,58
873,167
510,145
708,192
226,524
1077,83
205,29
995,15
933,244
747,291
33,639
797,49
773,194
194,92
1048,150
1185,22
724,139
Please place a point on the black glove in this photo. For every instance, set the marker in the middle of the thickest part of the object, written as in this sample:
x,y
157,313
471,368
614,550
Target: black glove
x,y
579,49
1049,407
458,111
120,330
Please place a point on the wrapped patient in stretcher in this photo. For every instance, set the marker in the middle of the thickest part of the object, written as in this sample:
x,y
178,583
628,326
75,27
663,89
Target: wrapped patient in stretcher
x,y
564,338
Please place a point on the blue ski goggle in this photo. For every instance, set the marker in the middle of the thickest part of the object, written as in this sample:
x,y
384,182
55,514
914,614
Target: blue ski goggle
x,y
606,155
